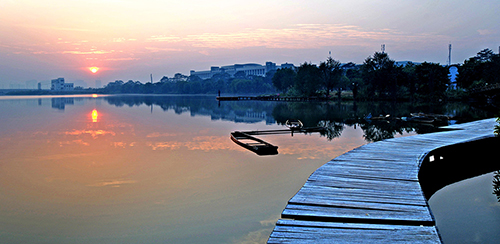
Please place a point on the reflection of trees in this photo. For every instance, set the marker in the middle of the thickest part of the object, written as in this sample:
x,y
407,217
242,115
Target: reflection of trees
x,y
375,133
197,105
334,116
337,115
496,184
332,129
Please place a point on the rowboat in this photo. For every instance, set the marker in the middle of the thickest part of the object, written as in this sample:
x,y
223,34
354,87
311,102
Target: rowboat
x,y
253,144
294,124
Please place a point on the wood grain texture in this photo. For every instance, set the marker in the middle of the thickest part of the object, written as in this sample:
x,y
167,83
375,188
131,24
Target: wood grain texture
x,y
371,194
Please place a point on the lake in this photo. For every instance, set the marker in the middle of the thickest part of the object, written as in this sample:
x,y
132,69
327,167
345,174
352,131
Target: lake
x,y
162,169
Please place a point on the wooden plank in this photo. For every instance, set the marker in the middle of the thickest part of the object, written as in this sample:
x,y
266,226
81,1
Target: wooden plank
x,y
360,213
371,194
292,231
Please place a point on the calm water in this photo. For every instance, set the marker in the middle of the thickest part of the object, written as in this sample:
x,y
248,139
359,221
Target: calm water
x,y
162,169
468,211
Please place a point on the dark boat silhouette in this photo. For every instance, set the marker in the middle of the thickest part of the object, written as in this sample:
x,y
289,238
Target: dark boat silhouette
x,y
253,144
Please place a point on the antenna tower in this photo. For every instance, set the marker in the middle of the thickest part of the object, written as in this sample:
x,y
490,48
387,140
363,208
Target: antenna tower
x,y
449,54
383,48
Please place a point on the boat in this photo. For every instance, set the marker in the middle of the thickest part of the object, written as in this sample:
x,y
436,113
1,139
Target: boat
x,y
419,119
429,118
253,144
294,124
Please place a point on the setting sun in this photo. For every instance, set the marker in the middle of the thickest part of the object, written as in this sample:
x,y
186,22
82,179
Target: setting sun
x,y
94,69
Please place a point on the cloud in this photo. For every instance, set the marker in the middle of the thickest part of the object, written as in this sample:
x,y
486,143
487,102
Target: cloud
x,y
255,237
486,32
164,38
259,236
87,52
79,142
93,133
156,134
165,145
57,28
121,144
299,36
164,49
203,143
113,183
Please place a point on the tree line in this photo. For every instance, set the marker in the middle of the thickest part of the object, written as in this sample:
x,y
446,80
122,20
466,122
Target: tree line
x,y
238,84
378,78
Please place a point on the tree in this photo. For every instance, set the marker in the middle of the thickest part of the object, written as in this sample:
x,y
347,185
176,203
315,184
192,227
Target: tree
x,y
469,72
331,74
308,79
408,79
485,55
240,75
432,80
379,76
491,69
479,70
283,79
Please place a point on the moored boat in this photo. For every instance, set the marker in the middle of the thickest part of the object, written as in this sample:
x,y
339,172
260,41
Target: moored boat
x,y
253,144
294,124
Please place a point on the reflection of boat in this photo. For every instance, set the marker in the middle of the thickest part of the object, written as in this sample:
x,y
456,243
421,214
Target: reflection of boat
x,y
380,117
253,144
428,118
419,119
294,124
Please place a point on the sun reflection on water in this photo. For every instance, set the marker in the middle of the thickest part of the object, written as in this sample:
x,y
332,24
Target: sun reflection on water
x,y
94,115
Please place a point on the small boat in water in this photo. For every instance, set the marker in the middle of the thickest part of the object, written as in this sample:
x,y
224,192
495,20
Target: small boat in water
x,y
294,124
253,144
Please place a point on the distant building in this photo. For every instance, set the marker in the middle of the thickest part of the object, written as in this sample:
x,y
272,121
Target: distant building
x,y
249,69
59,85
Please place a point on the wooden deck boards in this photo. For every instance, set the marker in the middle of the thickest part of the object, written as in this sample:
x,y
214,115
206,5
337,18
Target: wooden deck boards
x,y
371,194
293,231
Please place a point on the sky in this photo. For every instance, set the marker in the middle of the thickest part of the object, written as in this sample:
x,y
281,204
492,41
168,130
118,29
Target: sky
x,y
132,39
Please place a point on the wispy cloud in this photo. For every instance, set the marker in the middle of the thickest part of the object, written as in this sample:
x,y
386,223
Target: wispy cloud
x,y
93,133
113,183
487,32
56,28
203,143
300,36
86,52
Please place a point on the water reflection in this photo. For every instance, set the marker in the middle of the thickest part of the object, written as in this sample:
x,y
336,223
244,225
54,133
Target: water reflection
x,y
94,115
335,115
450,164
496,184
61,102
171,176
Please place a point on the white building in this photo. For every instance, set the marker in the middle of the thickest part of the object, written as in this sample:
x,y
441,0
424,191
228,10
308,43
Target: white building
x,y
59,85
248,69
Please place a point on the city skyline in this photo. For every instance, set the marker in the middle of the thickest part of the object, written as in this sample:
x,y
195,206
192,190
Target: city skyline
x,y
126,40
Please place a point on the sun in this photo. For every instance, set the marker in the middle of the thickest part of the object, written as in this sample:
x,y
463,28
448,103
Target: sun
x,y
94,69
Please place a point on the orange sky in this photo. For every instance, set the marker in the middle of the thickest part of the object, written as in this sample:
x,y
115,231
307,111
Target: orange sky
x,y
126,39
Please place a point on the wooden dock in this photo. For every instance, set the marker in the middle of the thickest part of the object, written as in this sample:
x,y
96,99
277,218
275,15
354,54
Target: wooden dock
x,y
372,194
271,98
